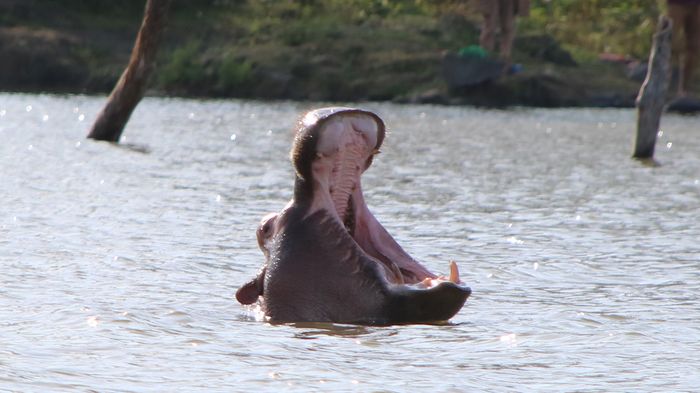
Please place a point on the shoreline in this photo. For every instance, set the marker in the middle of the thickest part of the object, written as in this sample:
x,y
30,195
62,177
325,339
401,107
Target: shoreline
x,y
298,57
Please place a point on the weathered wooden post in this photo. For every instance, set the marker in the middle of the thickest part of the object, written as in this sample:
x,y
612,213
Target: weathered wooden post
x,y
132,84
652,95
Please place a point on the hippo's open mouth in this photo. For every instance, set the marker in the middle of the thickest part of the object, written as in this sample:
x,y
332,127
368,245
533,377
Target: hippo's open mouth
x,y
327,256
344,150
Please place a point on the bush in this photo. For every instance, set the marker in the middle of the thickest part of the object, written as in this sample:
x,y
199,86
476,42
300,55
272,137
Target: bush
x,y
184,69
234,73
616,26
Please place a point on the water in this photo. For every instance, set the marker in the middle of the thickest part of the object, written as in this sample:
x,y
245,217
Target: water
x,y
119,264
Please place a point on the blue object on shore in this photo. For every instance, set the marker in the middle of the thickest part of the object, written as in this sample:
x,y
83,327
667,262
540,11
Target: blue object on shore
x,y
515,69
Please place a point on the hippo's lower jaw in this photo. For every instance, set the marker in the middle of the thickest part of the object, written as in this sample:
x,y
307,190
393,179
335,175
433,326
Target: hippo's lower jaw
x,y
328,258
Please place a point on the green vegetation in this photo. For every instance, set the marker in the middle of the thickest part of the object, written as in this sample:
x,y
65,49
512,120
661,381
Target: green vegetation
x,y
184,68
596,26
340,49
234,73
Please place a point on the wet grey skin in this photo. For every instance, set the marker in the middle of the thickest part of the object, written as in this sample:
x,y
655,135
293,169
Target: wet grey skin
x,y
327,258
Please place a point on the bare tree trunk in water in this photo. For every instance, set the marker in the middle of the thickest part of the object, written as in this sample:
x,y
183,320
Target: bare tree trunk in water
x,y
132,84
650,101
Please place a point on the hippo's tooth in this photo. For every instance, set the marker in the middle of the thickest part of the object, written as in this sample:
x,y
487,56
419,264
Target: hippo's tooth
x,y
375,152
454,272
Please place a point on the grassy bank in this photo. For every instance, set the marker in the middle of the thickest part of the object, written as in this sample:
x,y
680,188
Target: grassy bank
x,y
322,50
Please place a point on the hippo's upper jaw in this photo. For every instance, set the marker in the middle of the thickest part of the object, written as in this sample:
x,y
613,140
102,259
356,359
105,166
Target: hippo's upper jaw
x,y
328,258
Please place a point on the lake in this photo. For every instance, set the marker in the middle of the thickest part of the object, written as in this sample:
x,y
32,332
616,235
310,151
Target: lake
x,y
120,263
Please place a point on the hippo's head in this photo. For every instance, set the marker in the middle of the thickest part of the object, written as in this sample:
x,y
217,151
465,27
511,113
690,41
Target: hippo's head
x,y
328,259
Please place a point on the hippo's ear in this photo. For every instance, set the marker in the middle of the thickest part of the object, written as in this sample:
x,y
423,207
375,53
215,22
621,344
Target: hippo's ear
x,y
250,291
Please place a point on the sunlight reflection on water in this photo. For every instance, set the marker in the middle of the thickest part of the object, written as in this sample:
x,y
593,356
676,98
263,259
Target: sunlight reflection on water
x,y
120,263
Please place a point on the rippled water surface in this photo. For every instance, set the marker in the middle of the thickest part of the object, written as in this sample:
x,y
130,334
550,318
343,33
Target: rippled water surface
x,y
119,264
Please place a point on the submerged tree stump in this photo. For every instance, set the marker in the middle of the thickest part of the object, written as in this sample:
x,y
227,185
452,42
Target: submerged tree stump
x,y
652,95
131,86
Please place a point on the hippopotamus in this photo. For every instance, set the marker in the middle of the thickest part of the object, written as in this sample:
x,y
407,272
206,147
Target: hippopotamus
x,y
327,258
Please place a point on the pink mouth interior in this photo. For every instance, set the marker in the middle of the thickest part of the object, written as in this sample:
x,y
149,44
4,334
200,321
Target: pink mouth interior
x,y
346,143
